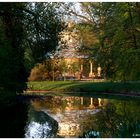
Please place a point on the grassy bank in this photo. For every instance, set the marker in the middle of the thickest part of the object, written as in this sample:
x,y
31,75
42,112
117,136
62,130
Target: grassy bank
x,y
78,86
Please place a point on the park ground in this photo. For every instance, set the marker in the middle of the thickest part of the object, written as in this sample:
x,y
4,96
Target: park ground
x,y
92,87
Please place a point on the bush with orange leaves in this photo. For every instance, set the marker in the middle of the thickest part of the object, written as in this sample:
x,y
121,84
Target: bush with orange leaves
x,y
38,73
46,70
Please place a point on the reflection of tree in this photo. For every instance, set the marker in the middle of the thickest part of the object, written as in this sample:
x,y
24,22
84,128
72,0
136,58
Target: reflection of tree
x,y
90,134
130,113
13,117
119,119
114,119
40,125
87,123
73,117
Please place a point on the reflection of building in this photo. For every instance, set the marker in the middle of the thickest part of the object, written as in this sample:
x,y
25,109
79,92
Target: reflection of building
x,y
70,112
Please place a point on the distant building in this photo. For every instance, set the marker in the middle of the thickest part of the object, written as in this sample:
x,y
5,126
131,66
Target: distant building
x,y
70,38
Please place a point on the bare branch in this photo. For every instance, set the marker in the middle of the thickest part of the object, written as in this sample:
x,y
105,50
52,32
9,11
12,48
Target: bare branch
x,y
83,17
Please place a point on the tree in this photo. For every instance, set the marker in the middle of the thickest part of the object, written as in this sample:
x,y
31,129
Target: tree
x,y
12,73
43,24
115,26
50,69
29,31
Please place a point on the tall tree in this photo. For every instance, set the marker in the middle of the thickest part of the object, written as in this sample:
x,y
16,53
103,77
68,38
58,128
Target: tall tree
x,y
43,24
29,31
116,26
12,72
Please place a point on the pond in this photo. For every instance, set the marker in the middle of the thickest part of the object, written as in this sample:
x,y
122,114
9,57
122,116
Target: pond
x,y
82,117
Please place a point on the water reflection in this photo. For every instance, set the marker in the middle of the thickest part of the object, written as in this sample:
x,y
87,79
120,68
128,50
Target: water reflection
x,y
13,115
57,116
40,125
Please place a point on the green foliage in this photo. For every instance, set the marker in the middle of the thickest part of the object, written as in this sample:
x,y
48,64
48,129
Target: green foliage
x,y
115,26
12,73
119,119
43,25
92,87
28,32
88,39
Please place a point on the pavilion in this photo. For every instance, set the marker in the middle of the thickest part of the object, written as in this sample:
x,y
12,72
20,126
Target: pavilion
x,y
71,55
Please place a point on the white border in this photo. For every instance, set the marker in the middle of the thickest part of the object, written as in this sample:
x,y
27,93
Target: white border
x,y
69,1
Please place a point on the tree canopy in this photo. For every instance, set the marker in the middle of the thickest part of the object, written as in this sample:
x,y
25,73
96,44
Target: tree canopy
x,y
28,32
116,28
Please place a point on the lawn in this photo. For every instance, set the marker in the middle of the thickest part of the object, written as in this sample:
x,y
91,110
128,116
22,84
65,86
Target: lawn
x,y
90,86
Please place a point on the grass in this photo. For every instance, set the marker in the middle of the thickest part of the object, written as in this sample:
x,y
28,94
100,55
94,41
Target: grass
x,y
90,86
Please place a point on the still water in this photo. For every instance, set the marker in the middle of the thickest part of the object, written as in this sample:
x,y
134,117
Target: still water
x,y
82,117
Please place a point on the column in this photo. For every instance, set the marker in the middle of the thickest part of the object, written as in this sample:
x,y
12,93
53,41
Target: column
x,y
91,66
81,100
99,71
99,101
91,101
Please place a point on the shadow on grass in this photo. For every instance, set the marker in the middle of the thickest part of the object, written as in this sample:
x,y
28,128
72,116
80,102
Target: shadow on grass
x,y
128,89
